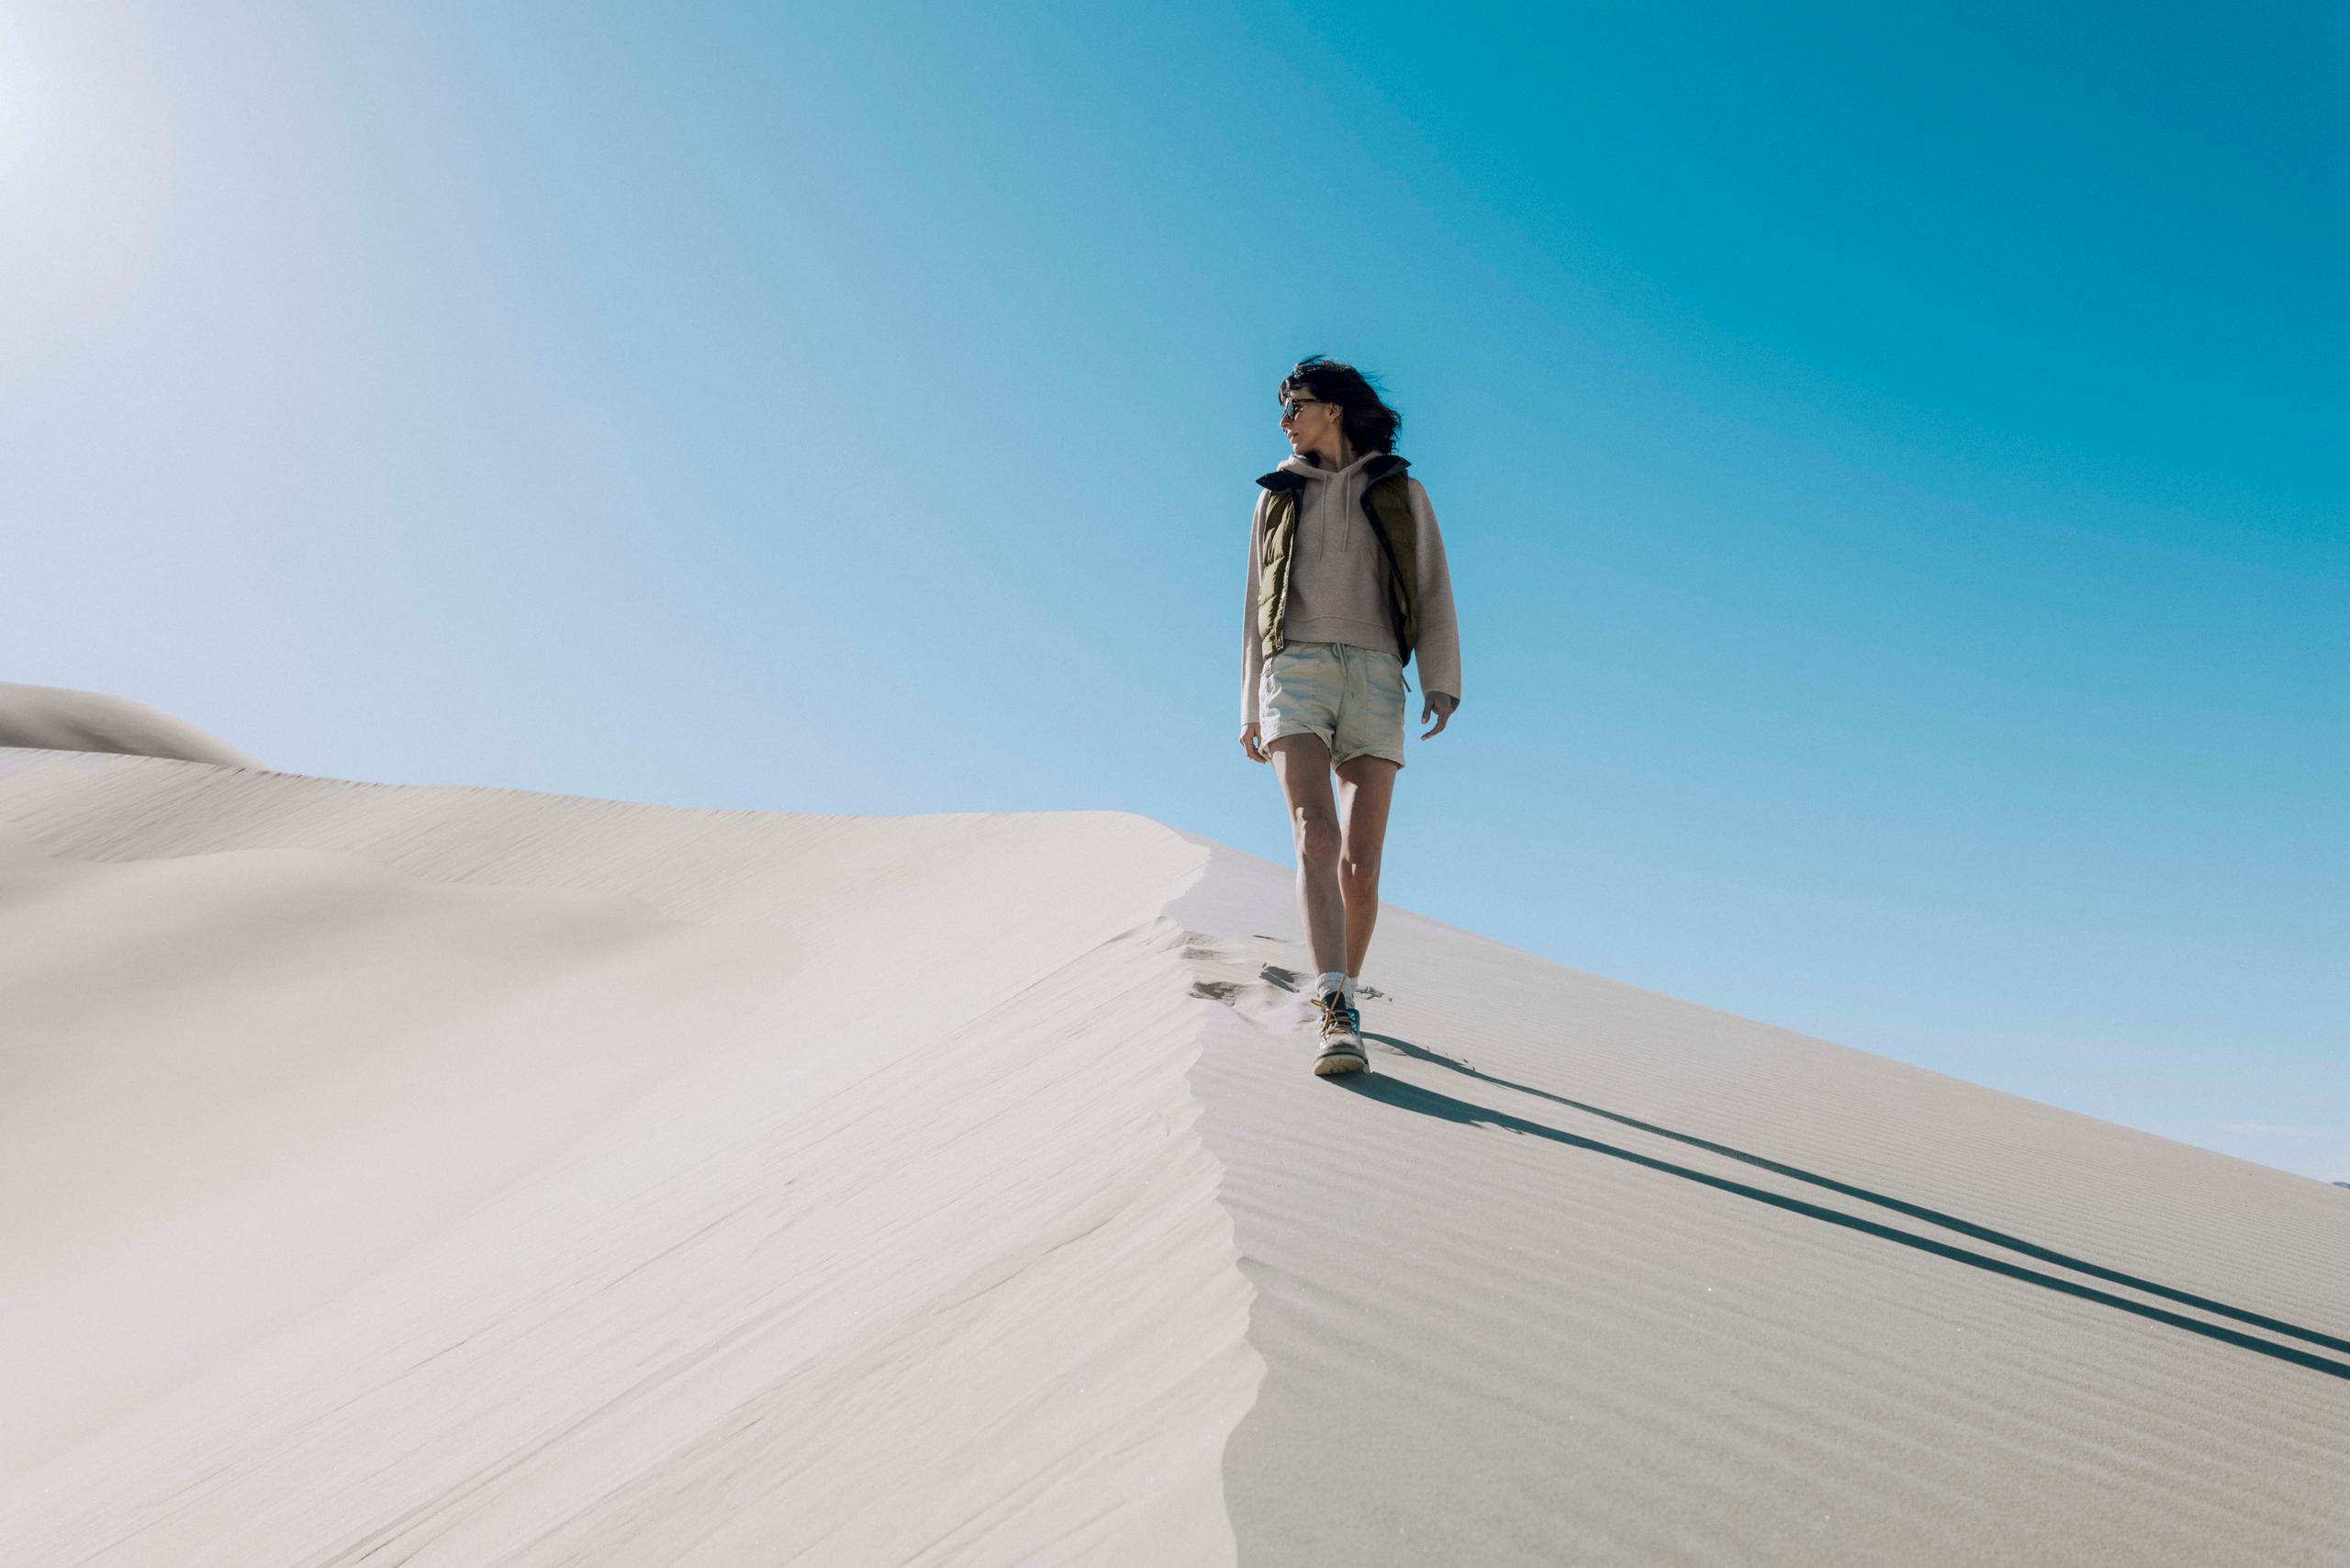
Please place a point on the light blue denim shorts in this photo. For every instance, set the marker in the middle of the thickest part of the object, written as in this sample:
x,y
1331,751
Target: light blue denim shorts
x,y
1352,698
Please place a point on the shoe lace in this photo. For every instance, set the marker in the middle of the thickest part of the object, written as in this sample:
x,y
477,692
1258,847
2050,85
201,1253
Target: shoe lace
x,y
1333,1008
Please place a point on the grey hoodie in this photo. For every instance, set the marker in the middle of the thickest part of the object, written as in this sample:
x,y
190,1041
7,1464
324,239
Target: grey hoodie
x,y
1338,584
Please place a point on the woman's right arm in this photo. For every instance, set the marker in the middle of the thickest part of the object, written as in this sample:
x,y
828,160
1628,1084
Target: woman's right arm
x,y
1252,656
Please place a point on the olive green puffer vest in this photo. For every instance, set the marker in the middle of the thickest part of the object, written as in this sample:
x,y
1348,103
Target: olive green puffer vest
x,y
1387,502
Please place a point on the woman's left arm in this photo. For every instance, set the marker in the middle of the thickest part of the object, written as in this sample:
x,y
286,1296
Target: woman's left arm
x,y
1438,649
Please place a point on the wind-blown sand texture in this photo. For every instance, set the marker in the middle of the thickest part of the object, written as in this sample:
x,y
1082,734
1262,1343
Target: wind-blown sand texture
x,y
466,1177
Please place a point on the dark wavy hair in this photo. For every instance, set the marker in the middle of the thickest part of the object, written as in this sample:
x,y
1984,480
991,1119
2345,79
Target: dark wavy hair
x,y
1370,425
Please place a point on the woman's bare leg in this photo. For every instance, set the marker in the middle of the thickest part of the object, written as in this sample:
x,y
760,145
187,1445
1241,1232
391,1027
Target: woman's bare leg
x,y
1366,790
1304,764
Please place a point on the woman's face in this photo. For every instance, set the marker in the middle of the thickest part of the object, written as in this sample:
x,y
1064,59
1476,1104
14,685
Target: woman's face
x,y
1308,422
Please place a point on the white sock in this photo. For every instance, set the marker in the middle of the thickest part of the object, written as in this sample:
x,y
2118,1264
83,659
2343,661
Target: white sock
x,y
1352,981
1328,982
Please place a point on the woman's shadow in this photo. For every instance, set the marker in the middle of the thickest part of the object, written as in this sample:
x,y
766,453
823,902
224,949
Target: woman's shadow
x,y
1407,1096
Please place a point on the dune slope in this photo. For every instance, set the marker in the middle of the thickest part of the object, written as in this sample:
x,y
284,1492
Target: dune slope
x,y
464,1176
1582,1273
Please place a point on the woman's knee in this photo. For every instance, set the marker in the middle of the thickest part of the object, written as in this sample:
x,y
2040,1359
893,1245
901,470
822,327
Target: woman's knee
x,y
1359,872
1316,833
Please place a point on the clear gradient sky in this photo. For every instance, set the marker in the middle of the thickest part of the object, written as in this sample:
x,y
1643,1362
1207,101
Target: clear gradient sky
x,y
1891,458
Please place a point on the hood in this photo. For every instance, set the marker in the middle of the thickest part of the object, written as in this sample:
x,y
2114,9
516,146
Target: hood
x,y
1296,471
1298,462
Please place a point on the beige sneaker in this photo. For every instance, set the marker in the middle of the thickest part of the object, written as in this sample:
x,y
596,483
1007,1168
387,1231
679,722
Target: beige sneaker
x,y
1341,1037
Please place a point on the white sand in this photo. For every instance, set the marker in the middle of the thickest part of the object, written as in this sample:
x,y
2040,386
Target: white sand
x,y
1504,1324
456,1176
467,1177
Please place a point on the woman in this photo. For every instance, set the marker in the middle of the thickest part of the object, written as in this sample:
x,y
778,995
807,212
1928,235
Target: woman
x,y
1346,581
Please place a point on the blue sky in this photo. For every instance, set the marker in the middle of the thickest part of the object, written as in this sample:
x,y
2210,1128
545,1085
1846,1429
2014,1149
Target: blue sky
x,y
1890,458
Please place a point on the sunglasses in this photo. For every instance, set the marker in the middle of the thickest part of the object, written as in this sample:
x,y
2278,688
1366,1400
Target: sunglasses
x,y
1290,405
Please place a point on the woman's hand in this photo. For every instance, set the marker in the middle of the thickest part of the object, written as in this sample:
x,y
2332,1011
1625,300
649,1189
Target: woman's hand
x,y
1251,744
1441,704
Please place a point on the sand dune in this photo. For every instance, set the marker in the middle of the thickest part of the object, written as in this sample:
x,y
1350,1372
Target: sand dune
x,y
66,720
672,1187
470,1177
